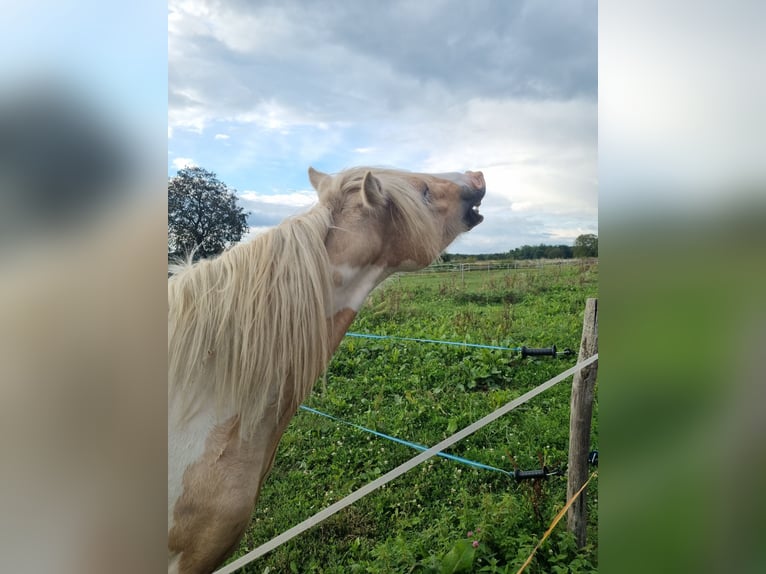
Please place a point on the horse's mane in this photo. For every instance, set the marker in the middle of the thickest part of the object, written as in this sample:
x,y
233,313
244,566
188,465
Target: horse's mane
x,y
250,327
252,321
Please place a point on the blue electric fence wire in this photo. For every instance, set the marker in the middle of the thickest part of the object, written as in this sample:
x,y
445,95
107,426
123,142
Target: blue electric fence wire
x,y
408,443
455,343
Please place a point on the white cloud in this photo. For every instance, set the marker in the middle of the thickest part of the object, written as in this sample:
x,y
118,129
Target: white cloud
x,y
521,206
221,137
567,236
182,162
295,199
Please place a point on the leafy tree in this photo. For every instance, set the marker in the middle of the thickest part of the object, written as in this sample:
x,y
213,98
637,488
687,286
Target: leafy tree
x,y
554,252
203,214
586,245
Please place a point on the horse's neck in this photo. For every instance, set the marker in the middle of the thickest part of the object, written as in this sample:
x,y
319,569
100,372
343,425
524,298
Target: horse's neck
x,y
338,325
351,286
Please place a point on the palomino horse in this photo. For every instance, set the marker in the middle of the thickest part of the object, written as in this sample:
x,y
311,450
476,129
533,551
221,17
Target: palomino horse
x,y
249,333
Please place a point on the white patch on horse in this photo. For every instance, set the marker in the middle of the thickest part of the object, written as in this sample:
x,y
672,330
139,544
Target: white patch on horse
x,y
186,445
353,284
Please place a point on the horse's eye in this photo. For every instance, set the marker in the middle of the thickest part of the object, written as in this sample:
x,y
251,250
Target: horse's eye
x,y
426,193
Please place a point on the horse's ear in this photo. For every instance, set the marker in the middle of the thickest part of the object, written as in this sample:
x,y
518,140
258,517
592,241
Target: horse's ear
x,y
316,178
372,191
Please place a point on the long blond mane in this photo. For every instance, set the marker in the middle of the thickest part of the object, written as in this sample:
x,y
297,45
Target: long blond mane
x,y
249,328
245,324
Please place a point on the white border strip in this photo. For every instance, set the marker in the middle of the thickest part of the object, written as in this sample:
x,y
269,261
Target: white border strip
x,y
398,471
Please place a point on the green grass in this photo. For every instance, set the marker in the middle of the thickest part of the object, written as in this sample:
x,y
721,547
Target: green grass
x,y
423,393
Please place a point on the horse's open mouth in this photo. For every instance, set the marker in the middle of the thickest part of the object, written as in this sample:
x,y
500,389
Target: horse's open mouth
x,y
472,216
472,193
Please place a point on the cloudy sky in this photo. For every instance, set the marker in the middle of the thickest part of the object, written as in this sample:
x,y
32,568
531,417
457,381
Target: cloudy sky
x,y
258,91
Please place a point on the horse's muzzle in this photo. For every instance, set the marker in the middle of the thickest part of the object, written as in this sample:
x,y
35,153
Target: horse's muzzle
x,y
472,194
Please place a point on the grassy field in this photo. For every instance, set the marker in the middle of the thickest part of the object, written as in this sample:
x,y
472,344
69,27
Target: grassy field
x,y
423,393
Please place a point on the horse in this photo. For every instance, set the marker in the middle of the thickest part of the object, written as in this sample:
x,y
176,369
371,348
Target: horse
x,y
249,333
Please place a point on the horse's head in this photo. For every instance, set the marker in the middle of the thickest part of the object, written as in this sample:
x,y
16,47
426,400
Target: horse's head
x,y
396,220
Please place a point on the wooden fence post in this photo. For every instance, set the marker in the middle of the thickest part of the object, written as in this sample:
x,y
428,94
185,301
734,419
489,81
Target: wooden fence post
x,y
583,387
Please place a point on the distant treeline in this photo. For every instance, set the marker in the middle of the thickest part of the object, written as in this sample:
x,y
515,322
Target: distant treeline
x,y
543,252
589,249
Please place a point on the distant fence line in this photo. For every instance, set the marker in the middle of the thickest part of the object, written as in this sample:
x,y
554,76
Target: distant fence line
x,y
507,265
